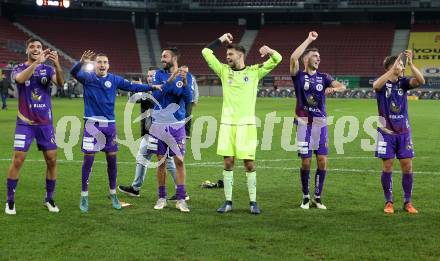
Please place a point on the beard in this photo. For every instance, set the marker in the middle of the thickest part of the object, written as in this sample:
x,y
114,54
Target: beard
x,y
313,66
30,57
233,65
167,66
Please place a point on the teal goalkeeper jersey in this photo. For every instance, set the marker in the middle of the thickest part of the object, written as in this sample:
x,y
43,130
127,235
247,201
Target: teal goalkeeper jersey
x,y
240,87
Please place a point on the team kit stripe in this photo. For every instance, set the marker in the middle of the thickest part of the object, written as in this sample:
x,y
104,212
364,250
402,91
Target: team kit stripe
x,y
20,136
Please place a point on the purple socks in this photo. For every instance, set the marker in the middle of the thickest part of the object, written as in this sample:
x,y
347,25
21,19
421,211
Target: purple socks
x,y
305,176
50,188
319,182
407,184
11,185
86,169
387,185
162,192
112,171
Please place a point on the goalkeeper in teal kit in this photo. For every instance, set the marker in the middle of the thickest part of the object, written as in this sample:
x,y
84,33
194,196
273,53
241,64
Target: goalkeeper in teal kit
x,y
238,132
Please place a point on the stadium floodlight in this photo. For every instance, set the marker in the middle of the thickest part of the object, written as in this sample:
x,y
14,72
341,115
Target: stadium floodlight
x,y
89,67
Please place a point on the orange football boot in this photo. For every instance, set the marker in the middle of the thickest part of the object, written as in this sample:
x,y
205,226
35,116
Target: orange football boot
x,y
410,209
389,208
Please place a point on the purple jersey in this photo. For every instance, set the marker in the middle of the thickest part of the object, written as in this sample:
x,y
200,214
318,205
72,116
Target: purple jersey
x,y
34,103
393,105
310,94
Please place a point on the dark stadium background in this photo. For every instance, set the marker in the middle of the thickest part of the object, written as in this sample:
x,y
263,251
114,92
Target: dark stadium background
x,y
354,35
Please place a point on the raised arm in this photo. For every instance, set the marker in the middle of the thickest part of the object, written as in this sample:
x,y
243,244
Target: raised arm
x,y
274,59
174,75
208,52
184,90
58,77
76,71
335,86
294,57
195,88
26,74
126,85
380,82
418,79
187,88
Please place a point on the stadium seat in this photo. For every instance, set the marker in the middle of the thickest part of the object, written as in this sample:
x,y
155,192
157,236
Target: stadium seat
x,y
9,34
191,38
120,44
344,49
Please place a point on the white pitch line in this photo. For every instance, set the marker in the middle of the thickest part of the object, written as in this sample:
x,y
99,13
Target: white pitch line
x,y
348,170
219,164
208,162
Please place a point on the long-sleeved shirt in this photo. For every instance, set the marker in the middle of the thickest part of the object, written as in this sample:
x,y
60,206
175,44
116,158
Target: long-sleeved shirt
x,y
172,99
240,87
195,90
100,92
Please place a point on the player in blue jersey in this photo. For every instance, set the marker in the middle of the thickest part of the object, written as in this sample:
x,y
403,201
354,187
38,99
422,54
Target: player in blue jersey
x,y
168,128
311,87
34,118
100,89
395,133
143,157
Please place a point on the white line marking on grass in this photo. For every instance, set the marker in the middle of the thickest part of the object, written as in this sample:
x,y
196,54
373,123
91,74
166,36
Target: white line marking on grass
x,y
331,170
212,162
219,164
349,170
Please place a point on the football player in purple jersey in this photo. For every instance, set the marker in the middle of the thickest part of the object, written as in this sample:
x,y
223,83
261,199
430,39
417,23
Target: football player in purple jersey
x,y
395,131
311,88
34,117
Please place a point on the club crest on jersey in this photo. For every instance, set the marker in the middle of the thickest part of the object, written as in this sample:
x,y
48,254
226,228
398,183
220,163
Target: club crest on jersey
x,y
108,84
27,83
319,87
179,84
43,80
400,92
246,79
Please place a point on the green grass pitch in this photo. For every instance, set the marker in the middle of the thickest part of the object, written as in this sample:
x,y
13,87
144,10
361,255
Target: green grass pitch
x,y
353,228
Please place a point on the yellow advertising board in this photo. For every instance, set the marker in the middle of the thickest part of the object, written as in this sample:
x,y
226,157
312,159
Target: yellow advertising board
x,y
426,49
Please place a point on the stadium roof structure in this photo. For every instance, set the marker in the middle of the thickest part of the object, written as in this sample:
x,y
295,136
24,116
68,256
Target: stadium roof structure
x,y
256,6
